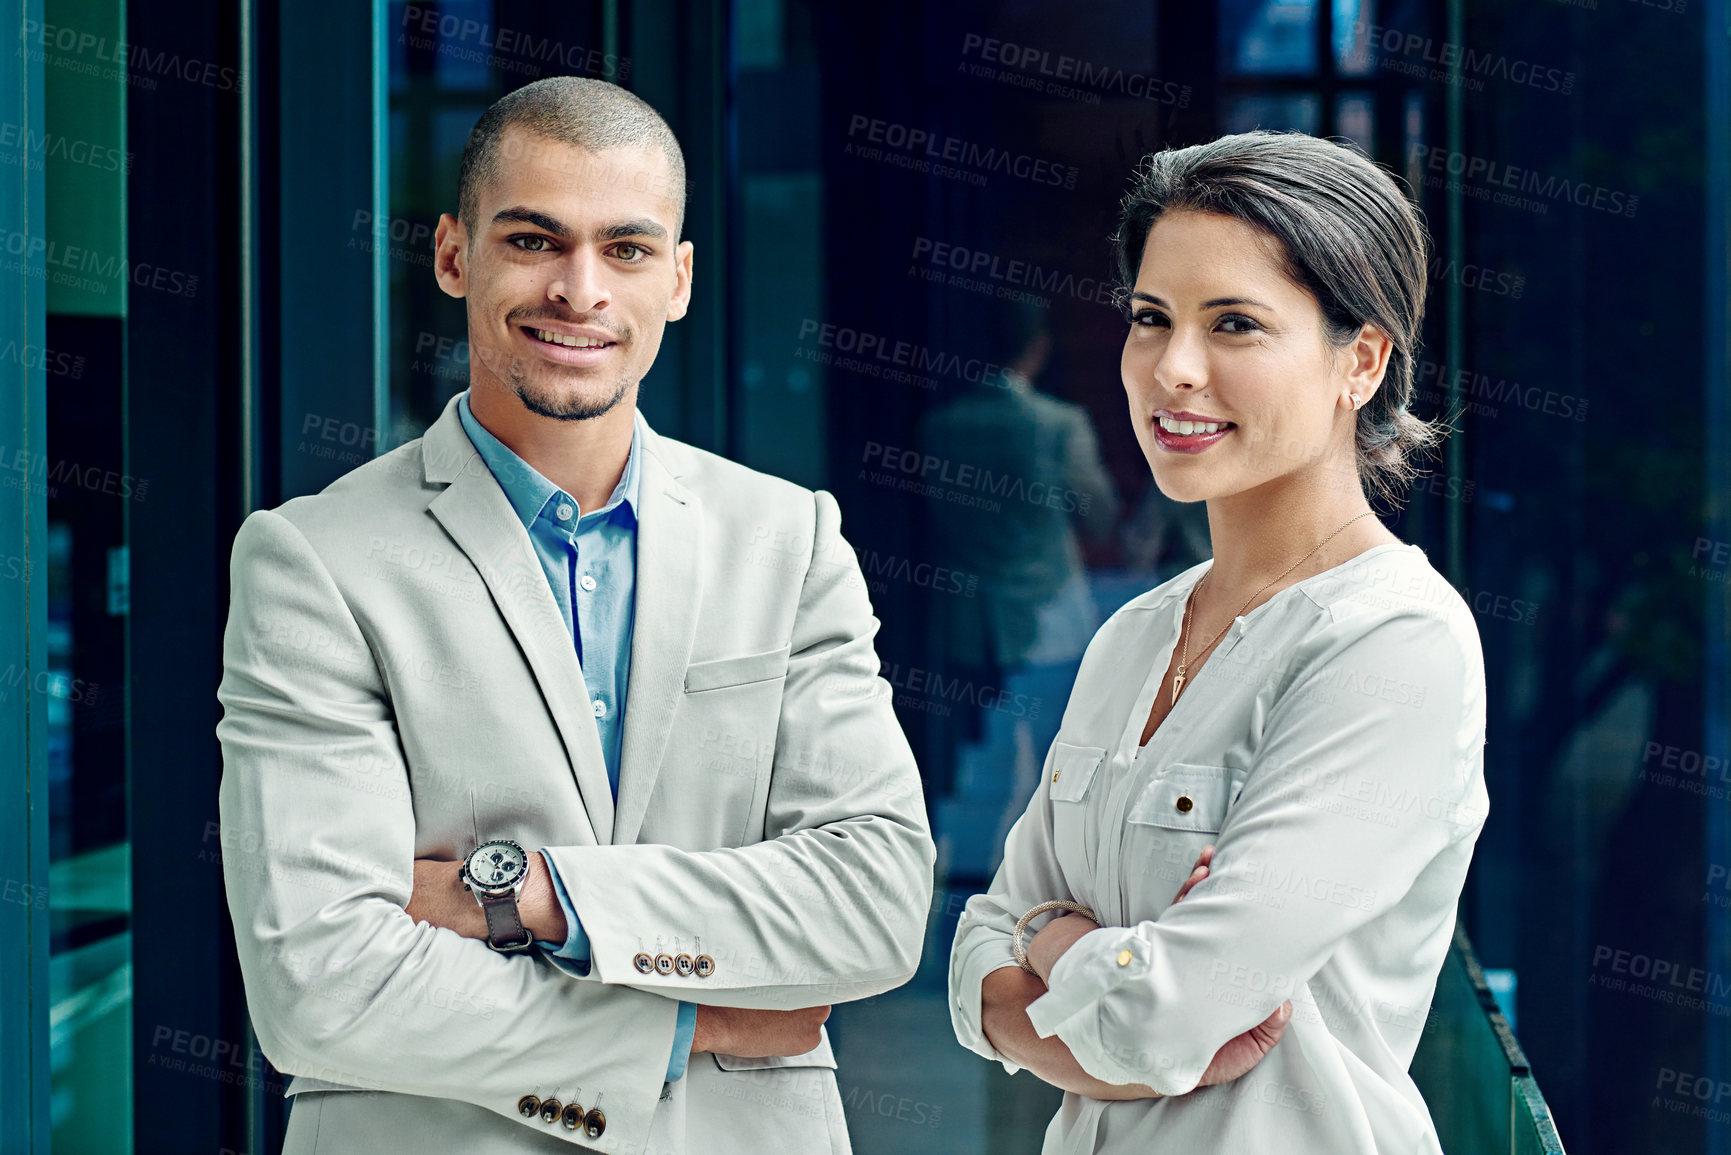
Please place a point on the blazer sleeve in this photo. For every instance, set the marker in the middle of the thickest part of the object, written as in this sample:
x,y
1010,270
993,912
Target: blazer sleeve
x,y
832,904
1359,791
318,838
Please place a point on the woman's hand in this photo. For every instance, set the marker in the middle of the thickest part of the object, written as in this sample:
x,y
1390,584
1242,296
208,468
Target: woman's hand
x,y
1197,873
1004,999
1007,993
1243,1052
1053,939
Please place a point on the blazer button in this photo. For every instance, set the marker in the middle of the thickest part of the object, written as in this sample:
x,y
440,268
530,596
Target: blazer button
x,y
664,964
549,1110
643,963
594,1123
1184,804
527,1106
703,966
572,1116
684,965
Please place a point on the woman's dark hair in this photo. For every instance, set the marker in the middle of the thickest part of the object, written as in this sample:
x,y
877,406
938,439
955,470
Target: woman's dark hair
x,y
1351,239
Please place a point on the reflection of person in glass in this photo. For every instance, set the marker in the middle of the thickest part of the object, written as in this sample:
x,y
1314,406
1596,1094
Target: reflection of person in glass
x,y
1288,737
1019,637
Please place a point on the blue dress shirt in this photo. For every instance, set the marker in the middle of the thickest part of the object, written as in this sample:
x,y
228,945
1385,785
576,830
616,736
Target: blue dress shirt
x,y
590,560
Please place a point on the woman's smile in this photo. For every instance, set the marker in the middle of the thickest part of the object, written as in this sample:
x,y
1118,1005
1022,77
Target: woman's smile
x,y
1186,432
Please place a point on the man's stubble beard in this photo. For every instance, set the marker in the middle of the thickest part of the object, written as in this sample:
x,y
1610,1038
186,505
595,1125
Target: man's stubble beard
x,y
549,402
543,399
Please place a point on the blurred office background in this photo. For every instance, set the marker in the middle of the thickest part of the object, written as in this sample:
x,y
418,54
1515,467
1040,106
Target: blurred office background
x,y
216,225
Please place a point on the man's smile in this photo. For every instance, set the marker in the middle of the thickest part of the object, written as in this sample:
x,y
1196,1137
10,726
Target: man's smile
x,y
580,345
567,340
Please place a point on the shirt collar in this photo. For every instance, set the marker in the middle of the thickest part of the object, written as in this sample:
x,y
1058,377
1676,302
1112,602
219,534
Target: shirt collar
x,y
527,490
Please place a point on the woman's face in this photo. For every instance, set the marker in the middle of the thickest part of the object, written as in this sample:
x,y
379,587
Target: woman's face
x,y
1218,334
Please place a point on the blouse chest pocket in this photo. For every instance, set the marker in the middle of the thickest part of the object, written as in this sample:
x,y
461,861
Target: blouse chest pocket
x,y
1189,798
1072,773
1073,769
1178,812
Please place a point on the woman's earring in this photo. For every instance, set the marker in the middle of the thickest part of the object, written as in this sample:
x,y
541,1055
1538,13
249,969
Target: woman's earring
x,y
1355,401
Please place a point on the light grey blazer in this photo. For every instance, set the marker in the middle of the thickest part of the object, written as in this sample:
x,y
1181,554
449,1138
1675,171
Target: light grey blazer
x,y
398,683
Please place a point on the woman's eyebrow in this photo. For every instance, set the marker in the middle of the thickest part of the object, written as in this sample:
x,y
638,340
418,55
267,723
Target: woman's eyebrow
x,y
1215,303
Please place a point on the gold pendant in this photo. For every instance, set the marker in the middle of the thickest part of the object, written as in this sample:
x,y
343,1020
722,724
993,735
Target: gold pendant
x,y
1177,683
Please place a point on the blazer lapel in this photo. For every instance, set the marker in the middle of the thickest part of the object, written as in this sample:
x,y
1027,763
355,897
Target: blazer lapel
x,y
476,513
669,560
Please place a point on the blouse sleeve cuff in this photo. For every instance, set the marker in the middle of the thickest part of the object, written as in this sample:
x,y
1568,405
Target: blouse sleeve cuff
x,y
1096,964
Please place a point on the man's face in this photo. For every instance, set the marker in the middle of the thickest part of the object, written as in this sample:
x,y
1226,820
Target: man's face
x,y
571,275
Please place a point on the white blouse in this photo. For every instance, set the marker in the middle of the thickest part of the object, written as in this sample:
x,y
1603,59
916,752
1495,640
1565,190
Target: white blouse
x,y
1331,749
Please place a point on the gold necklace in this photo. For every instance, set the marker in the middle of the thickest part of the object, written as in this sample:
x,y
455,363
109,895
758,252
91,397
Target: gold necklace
x,y
1184,658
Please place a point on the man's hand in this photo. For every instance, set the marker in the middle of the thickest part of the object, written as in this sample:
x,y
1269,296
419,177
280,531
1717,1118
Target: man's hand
x,y
440,899
757,1034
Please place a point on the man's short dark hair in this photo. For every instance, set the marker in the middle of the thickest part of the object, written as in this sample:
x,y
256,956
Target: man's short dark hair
x,y
591,114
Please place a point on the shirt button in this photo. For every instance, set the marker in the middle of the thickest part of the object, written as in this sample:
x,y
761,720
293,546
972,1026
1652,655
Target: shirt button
x,y
1183,804
1124,957
600,708
587,582
563,512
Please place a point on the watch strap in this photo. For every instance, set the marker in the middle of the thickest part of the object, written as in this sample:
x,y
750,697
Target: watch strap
x,y
505,930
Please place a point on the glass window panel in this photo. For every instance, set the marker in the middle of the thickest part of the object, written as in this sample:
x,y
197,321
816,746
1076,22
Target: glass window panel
x,y
1413,135
1355,118
397,44
759,33
83,684
1352,21
1258,37
1298,111
465,37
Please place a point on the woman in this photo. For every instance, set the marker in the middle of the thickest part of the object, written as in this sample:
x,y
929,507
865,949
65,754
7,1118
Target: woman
x,y
1301,717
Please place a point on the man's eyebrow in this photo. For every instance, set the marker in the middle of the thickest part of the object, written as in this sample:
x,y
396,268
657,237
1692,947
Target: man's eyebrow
x,y
529,216
638,228
1215,303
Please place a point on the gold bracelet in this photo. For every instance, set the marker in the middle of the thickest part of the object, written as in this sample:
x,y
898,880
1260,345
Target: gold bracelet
x,y
1021,952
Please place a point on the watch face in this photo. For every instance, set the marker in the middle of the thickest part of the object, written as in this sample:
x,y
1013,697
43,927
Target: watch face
x,y
497,865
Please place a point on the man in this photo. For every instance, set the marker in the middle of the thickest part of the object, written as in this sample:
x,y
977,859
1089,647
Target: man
x,y
1035,612
560,793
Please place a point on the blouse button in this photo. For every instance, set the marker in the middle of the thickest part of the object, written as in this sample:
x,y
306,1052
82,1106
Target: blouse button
x,y
1184,804
1124,957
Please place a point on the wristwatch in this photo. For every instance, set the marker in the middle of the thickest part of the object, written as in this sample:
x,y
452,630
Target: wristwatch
x,y
495,873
